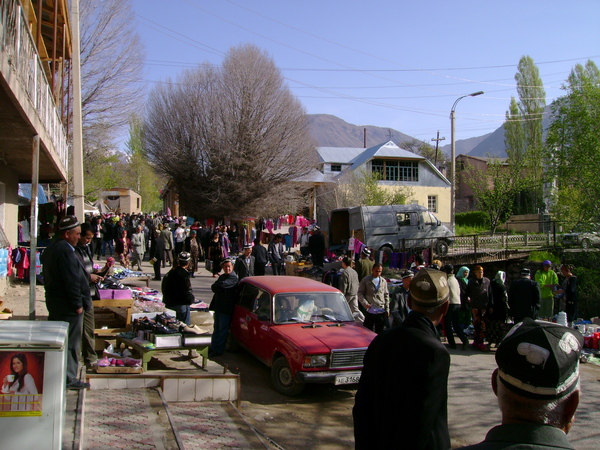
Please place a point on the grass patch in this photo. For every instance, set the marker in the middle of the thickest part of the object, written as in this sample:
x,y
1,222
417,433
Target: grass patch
x,y
464,230
539,256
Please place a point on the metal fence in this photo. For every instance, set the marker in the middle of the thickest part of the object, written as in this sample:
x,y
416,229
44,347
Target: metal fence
x,y
473,249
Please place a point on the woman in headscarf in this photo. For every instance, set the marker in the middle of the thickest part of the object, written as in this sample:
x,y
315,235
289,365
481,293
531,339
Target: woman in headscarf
x,y
497,311
465,311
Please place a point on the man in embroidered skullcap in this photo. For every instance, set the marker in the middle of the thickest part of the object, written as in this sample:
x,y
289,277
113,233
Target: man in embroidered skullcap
x,y
537,385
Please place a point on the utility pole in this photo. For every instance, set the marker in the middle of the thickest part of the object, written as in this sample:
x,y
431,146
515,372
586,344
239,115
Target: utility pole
x,y
437,142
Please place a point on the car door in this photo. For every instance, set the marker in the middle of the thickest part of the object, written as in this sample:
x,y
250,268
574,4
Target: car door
x,y
254,320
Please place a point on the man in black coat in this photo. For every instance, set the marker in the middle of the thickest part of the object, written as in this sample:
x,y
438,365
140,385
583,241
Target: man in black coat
x,y
177,289
223,304
402,395
244,264
260,257
524,297
316,246
67,291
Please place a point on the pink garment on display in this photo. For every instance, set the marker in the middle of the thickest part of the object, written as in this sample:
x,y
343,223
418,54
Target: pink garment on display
x,y
269,226
358,246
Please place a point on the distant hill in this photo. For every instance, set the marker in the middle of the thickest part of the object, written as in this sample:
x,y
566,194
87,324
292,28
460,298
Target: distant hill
x,y
331,131
493,145
465,146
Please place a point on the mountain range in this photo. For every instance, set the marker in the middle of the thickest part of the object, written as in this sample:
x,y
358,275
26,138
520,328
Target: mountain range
x,y
331,131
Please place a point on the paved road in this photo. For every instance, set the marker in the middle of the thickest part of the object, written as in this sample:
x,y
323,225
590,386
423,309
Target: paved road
x,y
321,417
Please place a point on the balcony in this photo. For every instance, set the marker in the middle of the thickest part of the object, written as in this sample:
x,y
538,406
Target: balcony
x,y
27,100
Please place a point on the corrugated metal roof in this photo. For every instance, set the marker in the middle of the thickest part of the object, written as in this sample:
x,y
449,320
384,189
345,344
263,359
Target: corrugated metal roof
x,y
387,150
340,155
315,176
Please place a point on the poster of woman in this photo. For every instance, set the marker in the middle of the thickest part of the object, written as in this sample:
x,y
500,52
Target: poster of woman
x,y
22,375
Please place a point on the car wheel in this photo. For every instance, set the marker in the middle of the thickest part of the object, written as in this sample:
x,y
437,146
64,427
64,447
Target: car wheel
x,y
441,247
283,379
585,243
231,345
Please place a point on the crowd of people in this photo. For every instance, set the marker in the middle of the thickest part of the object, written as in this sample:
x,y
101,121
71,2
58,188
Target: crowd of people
x,y
480,307
403,390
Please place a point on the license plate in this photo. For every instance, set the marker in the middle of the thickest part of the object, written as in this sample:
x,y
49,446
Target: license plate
x,y
352,379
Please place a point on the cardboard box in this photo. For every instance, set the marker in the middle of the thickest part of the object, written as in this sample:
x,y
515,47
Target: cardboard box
x,y
121,294
196,339
166,340
105,294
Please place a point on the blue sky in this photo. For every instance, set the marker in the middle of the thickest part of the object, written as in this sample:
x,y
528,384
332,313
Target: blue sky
x,y
398,64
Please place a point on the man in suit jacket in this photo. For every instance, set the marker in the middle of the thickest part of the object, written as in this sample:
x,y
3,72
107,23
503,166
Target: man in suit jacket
x,y
402,395
349,287
244,265
67,291
373,292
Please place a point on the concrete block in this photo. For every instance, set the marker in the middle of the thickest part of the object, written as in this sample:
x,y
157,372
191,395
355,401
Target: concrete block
x,y
204,389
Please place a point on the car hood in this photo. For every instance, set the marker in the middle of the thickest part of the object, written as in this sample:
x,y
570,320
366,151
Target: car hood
x,y
324,338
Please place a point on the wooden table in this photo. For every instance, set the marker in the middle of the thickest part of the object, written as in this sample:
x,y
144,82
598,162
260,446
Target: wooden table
x,y
109,303
131,280
147,353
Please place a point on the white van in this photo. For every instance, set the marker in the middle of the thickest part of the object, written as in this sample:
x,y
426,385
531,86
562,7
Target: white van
x,y
388,228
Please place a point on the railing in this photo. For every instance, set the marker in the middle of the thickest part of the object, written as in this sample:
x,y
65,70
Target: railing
x,y
474,249
18,48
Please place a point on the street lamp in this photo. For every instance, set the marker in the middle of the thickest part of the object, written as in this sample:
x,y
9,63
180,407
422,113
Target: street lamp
x,y
453,146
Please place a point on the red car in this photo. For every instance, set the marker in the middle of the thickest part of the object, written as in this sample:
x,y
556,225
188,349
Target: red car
x,y
302,329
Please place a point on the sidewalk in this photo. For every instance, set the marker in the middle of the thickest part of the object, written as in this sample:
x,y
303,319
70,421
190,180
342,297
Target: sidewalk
x,y
141,418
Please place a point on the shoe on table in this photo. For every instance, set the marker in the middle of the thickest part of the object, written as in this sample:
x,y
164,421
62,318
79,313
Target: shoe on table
x,y
77,385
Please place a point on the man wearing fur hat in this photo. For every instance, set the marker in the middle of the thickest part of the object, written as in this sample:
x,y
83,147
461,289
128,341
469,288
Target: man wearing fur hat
x,y
537,385
402,395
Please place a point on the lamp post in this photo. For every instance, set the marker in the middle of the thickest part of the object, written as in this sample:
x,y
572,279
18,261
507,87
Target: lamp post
x,y
453,146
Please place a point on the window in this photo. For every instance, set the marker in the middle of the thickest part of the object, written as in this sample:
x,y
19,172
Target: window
x,y
432,203
336,167
378,168
407,219
391,170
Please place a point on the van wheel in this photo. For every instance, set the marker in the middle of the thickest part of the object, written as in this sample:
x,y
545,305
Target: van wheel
x,y
283,379
441,247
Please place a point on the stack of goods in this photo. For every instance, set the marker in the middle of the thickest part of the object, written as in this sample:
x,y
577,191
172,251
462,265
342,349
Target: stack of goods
x,y
112,288
166,331
117,359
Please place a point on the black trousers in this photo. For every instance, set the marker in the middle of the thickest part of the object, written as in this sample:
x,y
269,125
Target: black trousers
x,y
75,322
259,268
375,322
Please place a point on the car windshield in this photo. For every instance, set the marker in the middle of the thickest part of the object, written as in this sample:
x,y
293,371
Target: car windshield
x,y
312,307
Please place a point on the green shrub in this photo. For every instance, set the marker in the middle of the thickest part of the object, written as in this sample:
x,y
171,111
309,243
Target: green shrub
x,y
539,256
472,219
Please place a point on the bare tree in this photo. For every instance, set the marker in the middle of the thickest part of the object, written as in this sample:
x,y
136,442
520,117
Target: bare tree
x,y
112,63
112,67
360,188
230,137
